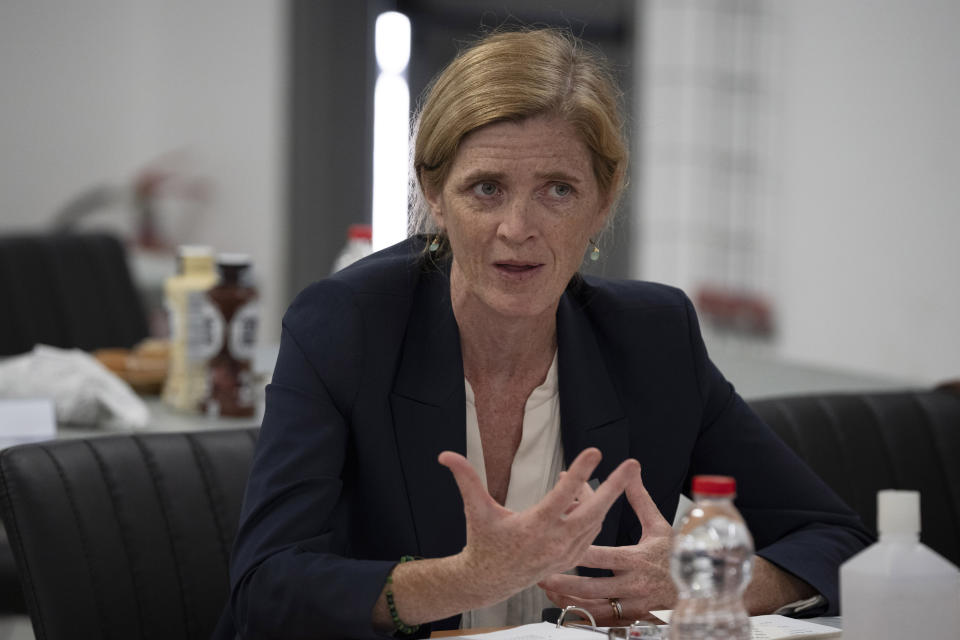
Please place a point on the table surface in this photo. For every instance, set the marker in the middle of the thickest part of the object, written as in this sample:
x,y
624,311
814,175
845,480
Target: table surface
x,y
165,418
830,621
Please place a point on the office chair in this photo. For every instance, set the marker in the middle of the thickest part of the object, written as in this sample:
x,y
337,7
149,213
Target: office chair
x,y
69,290
860,443
11,597
125,536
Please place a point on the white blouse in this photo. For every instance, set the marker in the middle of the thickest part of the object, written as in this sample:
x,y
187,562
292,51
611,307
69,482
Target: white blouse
x,y
535,470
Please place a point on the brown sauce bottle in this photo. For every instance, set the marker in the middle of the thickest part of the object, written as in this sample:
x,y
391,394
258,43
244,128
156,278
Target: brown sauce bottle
x,y
230,378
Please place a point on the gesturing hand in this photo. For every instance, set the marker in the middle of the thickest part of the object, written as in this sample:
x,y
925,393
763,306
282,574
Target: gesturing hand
x,y
508,551
641,579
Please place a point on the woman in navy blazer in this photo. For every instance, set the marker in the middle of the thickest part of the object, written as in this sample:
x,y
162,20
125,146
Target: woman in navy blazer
x,y
361,459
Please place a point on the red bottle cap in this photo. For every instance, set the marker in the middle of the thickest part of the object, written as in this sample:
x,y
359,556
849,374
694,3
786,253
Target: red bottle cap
x,y
360,231
714,485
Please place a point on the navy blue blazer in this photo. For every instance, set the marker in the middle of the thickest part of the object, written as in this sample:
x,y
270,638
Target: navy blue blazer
x,y
368,390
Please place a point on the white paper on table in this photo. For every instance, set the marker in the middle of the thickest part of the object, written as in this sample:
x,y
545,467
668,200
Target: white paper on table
x,y
26,420
537,631
774,627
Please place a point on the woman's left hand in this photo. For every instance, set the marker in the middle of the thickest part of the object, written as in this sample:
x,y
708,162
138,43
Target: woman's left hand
x,y
641,580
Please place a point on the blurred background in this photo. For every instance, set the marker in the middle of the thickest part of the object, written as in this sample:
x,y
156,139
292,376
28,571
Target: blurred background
x,y
794,165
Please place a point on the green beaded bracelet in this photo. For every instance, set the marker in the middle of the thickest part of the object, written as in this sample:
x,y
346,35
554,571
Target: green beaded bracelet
x,y
399,625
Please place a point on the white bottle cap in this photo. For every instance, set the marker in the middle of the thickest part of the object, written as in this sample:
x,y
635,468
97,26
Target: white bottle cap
x,y
898,511
194,250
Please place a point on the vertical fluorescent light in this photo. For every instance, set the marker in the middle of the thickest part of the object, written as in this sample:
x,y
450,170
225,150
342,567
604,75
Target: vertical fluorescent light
x,y
391,105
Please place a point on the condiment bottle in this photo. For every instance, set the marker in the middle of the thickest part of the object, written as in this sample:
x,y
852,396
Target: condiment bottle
x,y
194,327
230,389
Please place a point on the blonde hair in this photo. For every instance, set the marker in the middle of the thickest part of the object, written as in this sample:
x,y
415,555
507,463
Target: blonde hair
x,y
511,76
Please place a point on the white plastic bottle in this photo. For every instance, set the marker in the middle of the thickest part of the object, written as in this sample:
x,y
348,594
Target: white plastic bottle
x,y
196,328
358,246
711,565
899,588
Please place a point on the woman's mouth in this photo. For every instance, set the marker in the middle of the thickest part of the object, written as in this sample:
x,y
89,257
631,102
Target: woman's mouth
x,y
517,270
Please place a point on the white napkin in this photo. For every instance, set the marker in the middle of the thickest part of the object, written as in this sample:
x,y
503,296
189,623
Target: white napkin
x,y
83,391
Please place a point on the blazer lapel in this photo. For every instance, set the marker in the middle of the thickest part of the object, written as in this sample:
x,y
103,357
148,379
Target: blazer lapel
x,y
429,416
591,414
429,412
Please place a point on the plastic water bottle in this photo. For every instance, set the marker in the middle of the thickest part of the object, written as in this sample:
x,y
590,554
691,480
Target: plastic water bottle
x,y
898,587
358,246
711,565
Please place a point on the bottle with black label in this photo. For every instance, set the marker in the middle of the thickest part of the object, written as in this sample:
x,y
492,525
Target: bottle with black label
x,y
230,382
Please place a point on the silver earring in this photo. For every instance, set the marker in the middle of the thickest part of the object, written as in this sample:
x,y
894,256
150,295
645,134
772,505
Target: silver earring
x,y
595,254
435,244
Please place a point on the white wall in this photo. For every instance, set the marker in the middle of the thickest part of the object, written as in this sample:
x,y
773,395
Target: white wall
x,y
92,92
864,181
70,75
871,186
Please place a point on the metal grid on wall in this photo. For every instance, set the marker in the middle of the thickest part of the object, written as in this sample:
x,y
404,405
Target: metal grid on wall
x,y
706,212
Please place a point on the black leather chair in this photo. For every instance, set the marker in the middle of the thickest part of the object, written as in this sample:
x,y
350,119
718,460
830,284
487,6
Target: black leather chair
x,y
125,536
11,597
129,536
860,443
67,290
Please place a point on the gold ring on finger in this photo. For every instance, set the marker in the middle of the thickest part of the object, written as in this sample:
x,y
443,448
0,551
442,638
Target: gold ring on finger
x,y
617,609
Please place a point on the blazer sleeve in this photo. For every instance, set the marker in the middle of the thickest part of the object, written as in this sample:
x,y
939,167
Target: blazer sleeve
x,y
798,523
290,577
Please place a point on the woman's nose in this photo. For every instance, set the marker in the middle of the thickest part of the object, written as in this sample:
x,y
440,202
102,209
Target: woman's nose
x,y
517,224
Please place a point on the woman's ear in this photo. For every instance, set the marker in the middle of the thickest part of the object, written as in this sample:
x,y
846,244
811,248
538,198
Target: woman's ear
x,y
434,199
602,216
608,207
436,214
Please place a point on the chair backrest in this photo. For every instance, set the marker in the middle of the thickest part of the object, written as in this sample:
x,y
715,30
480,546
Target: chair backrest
x,y
860,443
11,596
67,290
125,536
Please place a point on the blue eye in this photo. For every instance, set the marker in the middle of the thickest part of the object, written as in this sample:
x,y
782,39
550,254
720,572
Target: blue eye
x,y
485,189
561,190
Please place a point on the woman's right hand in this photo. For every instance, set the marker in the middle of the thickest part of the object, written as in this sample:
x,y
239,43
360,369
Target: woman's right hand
x,y
508,551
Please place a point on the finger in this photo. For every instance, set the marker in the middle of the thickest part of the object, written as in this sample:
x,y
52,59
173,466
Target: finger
x,y
475,496
585,488
613,558
601,610
585,492
615,484
586,587
570,482
581,468
609,490
581,541
646,509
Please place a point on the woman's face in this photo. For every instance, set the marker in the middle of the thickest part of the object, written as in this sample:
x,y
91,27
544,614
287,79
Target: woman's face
x,y
519,205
